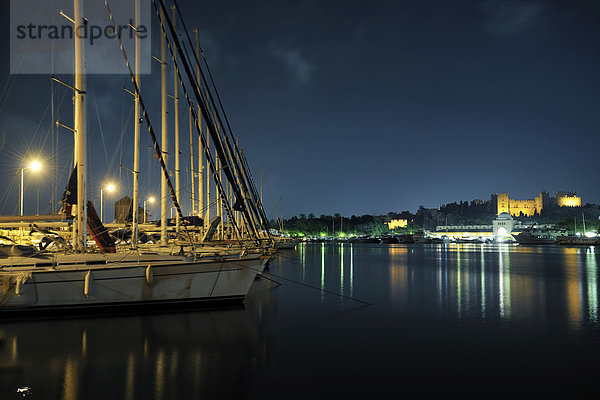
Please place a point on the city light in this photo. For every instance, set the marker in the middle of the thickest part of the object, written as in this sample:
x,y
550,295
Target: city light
x,y
35,165
150,200
111,188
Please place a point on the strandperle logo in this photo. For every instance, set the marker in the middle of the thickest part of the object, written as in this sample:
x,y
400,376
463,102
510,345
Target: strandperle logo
x,y
85,31
42,34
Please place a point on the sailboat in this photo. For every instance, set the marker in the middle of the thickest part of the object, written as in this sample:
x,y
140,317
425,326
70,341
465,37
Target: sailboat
x,y
77,280
577,238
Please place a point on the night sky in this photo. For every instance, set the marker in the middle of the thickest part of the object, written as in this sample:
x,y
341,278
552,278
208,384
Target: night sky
x,y
354,107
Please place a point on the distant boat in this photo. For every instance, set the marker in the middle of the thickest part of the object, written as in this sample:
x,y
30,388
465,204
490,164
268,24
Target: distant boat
x,y
534,235
366,239
282,243
468,240
420,237
390,239
406,238
575,240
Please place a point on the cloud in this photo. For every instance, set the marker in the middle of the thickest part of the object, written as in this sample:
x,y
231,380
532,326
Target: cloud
x,y
295,63
509,17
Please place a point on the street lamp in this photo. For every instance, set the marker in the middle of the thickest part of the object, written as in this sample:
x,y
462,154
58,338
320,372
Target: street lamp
x,y
110,187
34,166
150,200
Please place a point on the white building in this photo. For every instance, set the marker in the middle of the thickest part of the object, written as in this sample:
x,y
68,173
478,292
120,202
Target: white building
x,y
503,225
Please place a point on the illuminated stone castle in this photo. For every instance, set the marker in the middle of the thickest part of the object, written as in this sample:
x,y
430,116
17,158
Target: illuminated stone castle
x,y
568,199
534,206
397,223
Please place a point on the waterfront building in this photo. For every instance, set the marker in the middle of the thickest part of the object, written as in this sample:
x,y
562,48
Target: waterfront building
x,y
531,207
568,199
397,223
503,225
528,208
123,211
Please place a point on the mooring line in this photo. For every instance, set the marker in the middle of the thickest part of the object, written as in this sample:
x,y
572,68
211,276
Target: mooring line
x,y
269,279
322,290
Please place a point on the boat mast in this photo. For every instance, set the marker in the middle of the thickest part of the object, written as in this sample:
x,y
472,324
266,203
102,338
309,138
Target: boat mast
x,y
192,161
219,198
54,148
207,177
80,118
163,180
200,163
176,105
136,124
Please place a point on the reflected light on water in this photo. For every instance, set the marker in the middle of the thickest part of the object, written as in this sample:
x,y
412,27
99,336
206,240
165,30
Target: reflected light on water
x,y
342,268
504,282
592,285
160,374
197,373
84,343
173,371
130,378
70,380
572,265
482,268
398,272
351,269
14,353
458,284
302,248
322,269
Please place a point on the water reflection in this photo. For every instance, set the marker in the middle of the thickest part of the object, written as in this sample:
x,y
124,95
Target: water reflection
x,y
482,269
342,268
398,273
302,252
502,282
322,268
70,380
351,269
150,357
592,285
129,377
458,284
493,304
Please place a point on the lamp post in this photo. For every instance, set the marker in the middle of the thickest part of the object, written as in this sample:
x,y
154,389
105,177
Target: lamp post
x,y
110,187
34,166
150,200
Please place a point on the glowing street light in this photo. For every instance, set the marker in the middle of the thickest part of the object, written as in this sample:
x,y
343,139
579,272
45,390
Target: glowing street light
x,y
150,200
34,166
111,188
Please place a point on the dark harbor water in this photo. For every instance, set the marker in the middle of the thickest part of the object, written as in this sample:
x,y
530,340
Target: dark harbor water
x,y
443,321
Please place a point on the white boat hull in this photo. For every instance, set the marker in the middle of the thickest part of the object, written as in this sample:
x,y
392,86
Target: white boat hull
x,y
123,284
